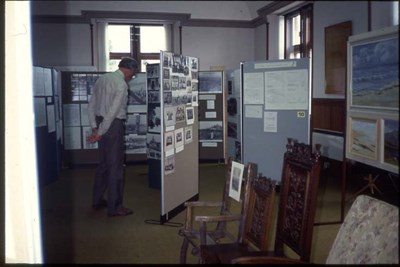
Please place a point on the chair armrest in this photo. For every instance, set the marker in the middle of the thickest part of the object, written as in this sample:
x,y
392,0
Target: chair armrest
x,y
217,218
190,205
203,220
203,204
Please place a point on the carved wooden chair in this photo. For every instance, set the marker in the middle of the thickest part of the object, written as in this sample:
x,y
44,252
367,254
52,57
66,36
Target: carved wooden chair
x,y
254,228
368,235
191,231
297,205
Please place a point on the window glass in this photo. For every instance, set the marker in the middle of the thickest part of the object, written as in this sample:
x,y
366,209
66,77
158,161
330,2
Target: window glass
x,y
113,64
152,39
119,38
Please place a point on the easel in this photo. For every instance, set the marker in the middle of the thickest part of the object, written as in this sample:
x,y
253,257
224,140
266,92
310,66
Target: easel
x,y
370,184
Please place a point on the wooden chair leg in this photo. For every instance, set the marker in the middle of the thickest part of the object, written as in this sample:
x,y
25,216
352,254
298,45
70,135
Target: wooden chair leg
x,y
184,248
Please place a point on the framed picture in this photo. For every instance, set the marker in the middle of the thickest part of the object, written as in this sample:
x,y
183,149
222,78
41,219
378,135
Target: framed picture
x,y
235,187
363,138
373,69
210,82
390,147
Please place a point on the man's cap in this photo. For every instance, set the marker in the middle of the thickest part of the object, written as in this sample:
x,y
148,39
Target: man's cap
x,y
128,63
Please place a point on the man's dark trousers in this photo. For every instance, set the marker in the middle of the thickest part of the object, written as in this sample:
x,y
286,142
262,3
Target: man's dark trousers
x,y
110,173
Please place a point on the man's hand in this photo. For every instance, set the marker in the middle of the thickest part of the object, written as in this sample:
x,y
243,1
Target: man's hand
x,y
94,136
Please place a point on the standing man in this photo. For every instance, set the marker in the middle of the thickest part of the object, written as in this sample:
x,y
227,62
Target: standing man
x,y
107,113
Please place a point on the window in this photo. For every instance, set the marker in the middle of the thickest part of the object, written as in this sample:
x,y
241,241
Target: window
x,y
142,42
298,29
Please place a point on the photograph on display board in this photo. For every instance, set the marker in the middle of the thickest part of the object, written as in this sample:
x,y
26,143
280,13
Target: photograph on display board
x,y
210,131
174,82
180,64
180,114
136,124
154,118
189,99
166,73
195,99
179,141
391,142
167,59
364,137
169,164
154,146
169,116
210,82
374,71
188,134
167,99
153,84
135,144
195,86
152,70
169,141
137,94
194,63
153,96
232,129
189,115
166,85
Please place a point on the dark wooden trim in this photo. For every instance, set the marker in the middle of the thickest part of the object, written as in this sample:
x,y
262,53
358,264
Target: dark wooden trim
x,y
272,7
218,23
161,17
328,114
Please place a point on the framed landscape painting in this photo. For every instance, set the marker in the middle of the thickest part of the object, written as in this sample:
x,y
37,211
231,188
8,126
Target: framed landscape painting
x,y
391,142
374,69
363,139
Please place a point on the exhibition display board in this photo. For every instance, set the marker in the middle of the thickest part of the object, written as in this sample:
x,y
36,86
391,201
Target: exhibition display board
x,y
212,116
234,118
276,105
172,131
76,92
46,92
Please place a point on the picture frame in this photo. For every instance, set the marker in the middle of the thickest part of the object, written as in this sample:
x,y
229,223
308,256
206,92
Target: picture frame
x,y
363,138
390,144
235,187
372,99
373,70
210,82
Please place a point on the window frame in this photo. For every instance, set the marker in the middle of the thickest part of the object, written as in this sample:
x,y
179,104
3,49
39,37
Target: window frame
x,y
135,45
306,32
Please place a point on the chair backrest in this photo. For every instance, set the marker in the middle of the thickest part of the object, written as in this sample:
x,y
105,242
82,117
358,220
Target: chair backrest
x,y
226,200
369,234
258,212
297,199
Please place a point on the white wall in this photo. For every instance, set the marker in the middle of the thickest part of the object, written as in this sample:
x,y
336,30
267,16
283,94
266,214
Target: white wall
x,y
61,44
260,42
236,45
229,10
326,14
